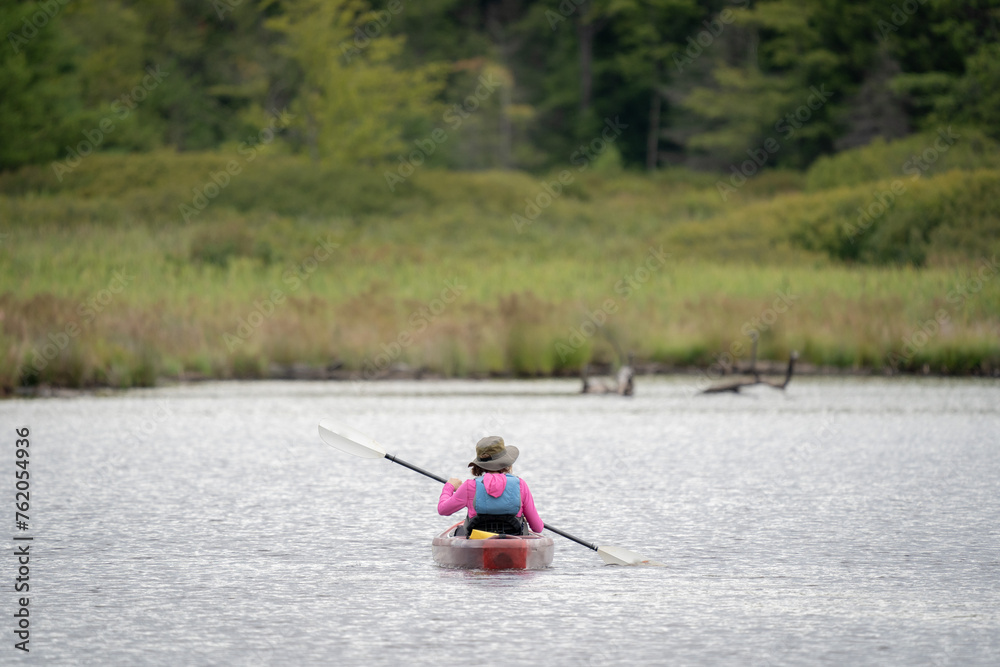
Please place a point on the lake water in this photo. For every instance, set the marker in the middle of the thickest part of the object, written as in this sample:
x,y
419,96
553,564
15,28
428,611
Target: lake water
x,y
843,522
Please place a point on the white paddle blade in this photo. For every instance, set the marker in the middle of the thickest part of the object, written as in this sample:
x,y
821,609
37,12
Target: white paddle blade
x,y
346,439
619,556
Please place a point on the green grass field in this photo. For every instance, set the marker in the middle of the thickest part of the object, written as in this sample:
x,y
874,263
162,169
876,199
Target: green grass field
x,y
106,280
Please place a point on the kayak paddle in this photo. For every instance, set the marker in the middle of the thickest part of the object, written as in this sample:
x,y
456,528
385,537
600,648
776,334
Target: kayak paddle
x,y
347,439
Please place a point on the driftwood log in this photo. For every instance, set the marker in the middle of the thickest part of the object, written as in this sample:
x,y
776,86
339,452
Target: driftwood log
x,y
624,384
735,385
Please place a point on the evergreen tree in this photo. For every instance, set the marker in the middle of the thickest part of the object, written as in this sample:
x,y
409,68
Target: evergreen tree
x,y
40,107
354,102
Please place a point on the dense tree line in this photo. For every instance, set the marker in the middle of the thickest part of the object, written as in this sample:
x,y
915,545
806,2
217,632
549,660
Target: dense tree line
x,y
493,83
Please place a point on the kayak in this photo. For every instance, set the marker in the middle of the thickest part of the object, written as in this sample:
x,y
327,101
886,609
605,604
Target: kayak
x,y
500,552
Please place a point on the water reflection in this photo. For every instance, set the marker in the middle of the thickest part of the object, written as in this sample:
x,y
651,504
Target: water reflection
x,y
490,578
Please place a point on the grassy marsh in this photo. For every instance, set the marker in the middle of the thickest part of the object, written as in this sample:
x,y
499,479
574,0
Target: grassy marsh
x,y
103,282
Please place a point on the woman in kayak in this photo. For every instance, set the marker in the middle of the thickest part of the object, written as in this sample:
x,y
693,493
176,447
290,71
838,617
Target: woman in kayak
x,y
496,500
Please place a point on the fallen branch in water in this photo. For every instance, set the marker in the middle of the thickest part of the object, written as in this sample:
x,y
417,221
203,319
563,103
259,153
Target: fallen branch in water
x,y
735,385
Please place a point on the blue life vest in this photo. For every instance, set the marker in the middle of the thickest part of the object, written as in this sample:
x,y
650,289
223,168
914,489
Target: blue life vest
x,y
509,501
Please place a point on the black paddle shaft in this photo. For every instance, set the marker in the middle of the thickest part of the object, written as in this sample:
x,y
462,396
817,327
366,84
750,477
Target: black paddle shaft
x,y
570,537
403,463
415,468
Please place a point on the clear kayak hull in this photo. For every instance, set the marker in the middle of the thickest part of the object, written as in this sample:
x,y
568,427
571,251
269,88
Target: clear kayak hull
x,y
503,552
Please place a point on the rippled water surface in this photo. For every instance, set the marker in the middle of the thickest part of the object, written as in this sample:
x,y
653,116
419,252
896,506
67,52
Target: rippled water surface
x,y
843,522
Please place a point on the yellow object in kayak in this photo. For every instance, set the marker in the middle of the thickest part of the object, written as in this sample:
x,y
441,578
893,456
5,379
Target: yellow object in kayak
x,y
481,535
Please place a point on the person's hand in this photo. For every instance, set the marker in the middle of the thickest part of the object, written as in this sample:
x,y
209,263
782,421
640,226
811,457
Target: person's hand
x,y
456,482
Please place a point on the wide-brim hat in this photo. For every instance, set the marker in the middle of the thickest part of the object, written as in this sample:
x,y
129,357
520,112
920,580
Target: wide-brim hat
x,y
492,454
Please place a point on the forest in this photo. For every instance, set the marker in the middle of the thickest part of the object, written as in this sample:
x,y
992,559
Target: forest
x,y
326,188
510,84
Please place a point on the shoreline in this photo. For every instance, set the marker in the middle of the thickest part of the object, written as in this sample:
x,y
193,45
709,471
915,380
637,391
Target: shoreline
x,y
306,373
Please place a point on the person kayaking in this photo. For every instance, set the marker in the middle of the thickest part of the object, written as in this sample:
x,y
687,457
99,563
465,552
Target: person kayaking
x,y
496,500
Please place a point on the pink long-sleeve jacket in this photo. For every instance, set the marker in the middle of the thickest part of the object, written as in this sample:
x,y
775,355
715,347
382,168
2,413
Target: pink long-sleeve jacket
x,y
451,500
